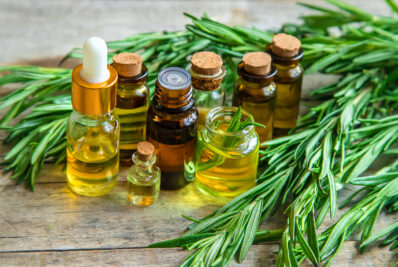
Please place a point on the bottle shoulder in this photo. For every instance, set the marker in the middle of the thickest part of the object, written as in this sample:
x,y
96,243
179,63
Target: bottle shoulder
x,y
256,90
108,123
287,74
140,175
183,118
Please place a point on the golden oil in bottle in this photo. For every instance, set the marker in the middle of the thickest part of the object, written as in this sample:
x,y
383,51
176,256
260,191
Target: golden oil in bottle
x,y
226,163
132,103
286,56
143,179
255,91
92,154
207,73
93,127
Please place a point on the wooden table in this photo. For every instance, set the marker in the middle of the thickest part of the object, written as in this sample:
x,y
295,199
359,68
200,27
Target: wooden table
x,y
54,226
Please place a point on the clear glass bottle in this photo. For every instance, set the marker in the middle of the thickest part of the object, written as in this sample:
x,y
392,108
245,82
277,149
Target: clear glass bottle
x,y
207,74
143,179
226,163
172,123
288,80
93,127
256,94
132,102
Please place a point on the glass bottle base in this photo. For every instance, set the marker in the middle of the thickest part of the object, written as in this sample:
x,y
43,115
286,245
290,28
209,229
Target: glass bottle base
x,y
87,187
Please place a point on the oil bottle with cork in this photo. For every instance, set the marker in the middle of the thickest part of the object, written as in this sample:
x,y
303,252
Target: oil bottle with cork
x,y
286,56
207,73
172,123
132,103
93,127
255,90
143,179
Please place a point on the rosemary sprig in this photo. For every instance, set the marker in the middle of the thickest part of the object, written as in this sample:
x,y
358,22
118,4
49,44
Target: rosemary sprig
x,y
335,142
235,125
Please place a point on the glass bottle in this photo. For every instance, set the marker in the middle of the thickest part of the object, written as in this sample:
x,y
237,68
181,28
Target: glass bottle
x,y
255,92
93,127
143,179
132,102
207,74
226,163
288,82
171,127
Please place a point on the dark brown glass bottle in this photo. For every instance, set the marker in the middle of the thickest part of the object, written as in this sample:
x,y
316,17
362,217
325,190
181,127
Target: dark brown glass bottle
x,y
172,123
255,91
286,56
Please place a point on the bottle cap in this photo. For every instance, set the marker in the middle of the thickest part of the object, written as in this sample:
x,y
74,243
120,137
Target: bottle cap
x,y
285,45
206,63
127,64
94,82
173,88
257,63
145,151
174,78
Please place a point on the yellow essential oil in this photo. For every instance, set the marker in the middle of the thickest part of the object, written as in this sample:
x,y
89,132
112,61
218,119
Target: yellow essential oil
x,y
93,127
286,56
132,103
226,163
93,158
255,91
143,180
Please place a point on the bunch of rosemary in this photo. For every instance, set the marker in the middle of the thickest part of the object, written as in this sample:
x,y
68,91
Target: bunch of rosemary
x,y
334,144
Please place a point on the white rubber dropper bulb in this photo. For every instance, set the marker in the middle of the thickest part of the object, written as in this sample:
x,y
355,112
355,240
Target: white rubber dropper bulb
x,y
95,69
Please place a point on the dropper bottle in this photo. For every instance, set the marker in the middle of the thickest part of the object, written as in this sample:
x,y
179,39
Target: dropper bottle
x,y
93,128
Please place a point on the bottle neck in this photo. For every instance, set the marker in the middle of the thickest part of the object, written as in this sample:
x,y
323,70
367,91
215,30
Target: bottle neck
x,y
134,81
173,100
287,62
206,82
260,80
217,122
143,164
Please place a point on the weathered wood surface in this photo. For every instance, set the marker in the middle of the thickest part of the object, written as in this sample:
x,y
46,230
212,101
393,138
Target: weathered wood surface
x,y
53,226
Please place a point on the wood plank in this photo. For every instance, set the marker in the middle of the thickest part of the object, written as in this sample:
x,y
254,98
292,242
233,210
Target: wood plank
x,y
55,218
259,255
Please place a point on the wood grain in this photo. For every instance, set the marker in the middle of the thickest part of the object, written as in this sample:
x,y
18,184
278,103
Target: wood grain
x,y
53,226
258,256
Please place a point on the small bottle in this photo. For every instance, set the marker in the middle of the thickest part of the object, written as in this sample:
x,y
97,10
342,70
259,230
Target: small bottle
x,y
132,103
172,124
255,91
207,73
143,179
286,56
226,163
93,127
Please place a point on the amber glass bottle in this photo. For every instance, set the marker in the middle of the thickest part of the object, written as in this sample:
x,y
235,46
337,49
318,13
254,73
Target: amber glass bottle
x,y
255,91
132,103
207,73
172,123
286,56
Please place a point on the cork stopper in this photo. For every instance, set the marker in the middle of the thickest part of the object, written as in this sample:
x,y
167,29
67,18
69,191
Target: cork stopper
x,y
127,64
206,63
145,151
257,63
285,45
